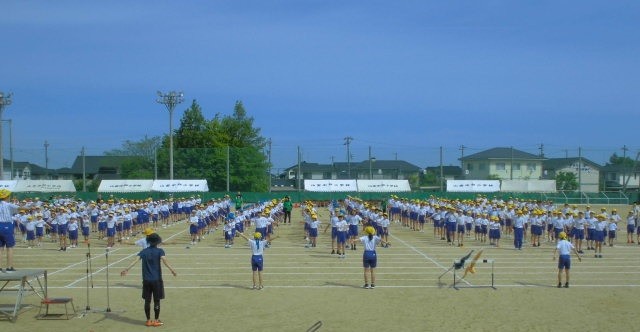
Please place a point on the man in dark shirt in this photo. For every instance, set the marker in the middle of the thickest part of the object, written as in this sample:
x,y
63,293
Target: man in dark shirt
x,y
152,284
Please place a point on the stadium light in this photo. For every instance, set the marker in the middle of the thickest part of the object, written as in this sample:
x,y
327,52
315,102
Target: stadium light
x,y
5,100
170,100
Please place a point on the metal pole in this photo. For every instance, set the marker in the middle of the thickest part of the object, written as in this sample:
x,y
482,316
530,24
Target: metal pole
x,y
84,172
511,167
46,158
155,163
170,100
370,170
269,165
5,100
298,179
228,166
442,179
11,144
579,169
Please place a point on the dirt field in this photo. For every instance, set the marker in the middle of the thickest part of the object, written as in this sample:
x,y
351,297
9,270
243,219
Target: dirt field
x,y
304,286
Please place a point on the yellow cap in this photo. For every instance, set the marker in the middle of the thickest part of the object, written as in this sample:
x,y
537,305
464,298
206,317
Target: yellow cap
x,y
370,230
148,231
4,193
257,235
563,235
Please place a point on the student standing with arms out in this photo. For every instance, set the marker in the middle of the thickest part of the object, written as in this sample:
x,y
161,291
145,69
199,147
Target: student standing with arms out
x,y
152,284
7,238
369,257
564,247
257,246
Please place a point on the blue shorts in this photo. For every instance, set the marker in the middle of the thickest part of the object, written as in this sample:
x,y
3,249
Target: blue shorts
x,y
369,259
62,229
341,237
631,228
334,233
313,232
111,232
564,262
257,263
193,229
7,239
353,230
578,234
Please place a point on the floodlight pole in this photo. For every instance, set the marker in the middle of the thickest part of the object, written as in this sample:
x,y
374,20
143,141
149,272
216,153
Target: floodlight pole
x,y
170,100
5,100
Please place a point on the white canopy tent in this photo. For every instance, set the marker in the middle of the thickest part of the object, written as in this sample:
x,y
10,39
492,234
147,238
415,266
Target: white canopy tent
x,y
331,185
47,186
125,186
383,186
175,186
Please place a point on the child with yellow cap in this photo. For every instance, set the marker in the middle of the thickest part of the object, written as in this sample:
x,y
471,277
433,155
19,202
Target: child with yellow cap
x,y
564,261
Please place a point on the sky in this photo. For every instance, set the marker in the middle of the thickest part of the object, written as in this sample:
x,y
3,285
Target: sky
x,y
402,78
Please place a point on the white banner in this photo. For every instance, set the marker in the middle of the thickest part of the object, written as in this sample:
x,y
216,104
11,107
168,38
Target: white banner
x,y
175,186
65,186
331,185
125,186
383,185
8,184
473,185
527,186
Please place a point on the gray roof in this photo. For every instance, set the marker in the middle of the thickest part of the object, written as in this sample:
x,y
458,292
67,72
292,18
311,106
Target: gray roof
x,y
558,163
401,165
446,170
93,164
502,153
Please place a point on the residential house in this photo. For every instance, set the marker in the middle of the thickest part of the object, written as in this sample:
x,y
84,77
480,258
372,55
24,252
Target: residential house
x,y
587,172
368,169
100,167
618,177
502,164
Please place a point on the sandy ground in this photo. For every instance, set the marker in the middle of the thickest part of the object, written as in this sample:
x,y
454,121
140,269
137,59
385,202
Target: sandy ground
x,y
305,286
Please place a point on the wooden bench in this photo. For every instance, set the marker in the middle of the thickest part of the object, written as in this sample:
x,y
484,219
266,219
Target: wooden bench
x,y
56,300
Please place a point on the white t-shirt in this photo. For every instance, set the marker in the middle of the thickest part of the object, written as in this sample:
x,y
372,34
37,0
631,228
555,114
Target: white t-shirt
x,y
564,247
370,245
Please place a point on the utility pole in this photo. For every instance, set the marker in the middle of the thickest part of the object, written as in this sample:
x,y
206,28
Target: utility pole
x,y
5,100
462,147
298,179
347,142
84,171
170,100
579,169
624,163
269,161
228,166
46,158
541,148
441,172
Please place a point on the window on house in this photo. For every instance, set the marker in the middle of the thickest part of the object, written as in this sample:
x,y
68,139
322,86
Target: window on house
x,y
501,166
470,167
326,175
516,166
531,167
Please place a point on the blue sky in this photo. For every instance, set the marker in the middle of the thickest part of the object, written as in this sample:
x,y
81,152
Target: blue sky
x,y
404,77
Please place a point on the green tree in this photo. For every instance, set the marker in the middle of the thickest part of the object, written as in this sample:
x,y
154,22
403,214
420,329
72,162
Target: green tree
x,y
142,167
202,148
248,164
621,161
566,181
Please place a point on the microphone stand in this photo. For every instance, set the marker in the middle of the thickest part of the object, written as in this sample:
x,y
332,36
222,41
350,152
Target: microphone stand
x,y
89,275
108,304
